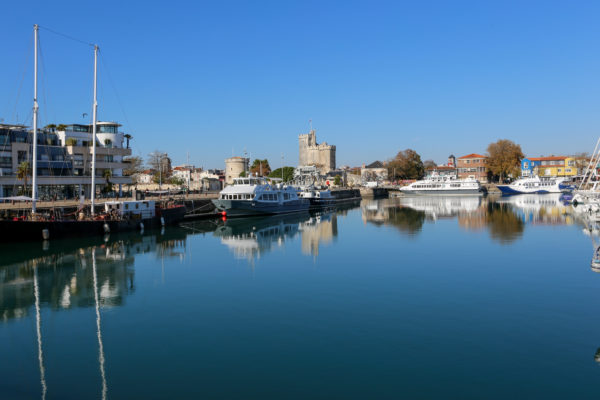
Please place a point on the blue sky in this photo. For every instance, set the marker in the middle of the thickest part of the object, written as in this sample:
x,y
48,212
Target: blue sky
x,y
212,78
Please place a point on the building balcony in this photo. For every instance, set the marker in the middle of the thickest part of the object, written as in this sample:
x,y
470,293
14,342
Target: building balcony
x,y
99,150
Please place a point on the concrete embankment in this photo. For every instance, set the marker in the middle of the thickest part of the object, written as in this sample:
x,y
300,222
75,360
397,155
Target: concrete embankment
x,y
374,192
491,188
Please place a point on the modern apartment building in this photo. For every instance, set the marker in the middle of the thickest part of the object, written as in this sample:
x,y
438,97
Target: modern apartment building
x,y
63,159
473,166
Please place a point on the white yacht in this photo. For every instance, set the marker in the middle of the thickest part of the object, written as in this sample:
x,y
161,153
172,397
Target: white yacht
x,y
533,184
439,185
255,196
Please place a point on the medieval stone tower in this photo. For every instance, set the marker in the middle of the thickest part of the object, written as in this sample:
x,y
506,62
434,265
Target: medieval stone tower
x,y
311,153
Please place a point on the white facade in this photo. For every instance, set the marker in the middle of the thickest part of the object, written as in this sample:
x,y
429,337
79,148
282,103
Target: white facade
x,y
109,148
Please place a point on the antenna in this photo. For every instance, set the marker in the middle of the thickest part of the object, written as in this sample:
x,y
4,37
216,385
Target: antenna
x,y
310,123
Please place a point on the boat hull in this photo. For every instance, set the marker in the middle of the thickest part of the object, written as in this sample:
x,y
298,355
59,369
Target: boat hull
x,y
507,189
245,208
449,192
11,231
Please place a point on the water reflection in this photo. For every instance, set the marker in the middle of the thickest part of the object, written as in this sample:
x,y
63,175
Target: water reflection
x,y
503,217
63,275
249,238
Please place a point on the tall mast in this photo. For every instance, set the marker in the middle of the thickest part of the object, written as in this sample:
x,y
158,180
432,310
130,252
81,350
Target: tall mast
x,y
94,113
35,121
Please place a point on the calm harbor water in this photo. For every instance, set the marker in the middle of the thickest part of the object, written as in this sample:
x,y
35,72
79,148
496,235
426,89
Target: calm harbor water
x,y
397,298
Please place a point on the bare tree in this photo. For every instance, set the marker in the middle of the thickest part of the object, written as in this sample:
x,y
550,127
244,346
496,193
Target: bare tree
x,y
161,163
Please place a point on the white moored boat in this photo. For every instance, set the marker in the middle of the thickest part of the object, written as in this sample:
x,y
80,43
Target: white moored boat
x,y
255,196
533,184
439,185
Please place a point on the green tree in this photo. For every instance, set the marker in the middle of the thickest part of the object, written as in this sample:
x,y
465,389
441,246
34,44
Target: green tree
x,y
23,172
128,137
337,181
406,165
71,142
504,158
288,173
61,127
260,167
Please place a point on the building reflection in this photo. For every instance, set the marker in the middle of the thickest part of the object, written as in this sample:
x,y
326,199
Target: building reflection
x,y
65,275
504,218
249,238
318,230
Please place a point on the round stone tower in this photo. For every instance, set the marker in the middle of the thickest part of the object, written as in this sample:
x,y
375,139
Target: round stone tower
x,y
234,166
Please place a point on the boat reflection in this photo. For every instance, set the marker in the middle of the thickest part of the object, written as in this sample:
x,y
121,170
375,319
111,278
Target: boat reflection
x,y
249,238
540,209
64,275
409,213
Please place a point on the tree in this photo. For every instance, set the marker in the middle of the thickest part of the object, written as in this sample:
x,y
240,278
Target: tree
x,y
161,163
23,172
337,181
174,180
288,173
406,165
504,158
61,127
261,167
71,142
429,164
135,166
128,137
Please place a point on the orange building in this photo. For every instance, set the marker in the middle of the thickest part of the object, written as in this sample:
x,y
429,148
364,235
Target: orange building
x,y
473,166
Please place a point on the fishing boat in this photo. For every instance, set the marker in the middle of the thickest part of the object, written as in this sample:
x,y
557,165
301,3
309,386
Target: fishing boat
x,y
441,185
535,184
116,217
256,196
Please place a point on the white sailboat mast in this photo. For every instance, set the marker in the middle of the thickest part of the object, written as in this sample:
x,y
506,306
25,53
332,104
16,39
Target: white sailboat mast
x,y
35,121
94,117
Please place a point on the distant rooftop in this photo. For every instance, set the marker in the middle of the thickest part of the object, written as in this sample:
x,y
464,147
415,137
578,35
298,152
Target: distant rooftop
x,y
473,155
551,158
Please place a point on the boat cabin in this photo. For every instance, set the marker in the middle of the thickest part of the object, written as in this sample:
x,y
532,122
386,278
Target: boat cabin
x,y
141,208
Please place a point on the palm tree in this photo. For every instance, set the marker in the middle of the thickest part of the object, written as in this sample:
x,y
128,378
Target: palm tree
x,y
128,137
23,172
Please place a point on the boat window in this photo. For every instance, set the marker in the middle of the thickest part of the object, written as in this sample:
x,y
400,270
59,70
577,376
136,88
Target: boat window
x,y
127,206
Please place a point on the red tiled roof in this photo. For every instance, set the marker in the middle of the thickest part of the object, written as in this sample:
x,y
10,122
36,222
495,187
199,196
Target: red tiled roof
x,y
441,167
473,155
553,158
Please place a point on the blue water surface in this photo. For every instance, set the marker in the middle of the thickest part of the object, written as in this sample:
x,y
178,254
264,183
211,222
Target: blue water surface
x,y
435,298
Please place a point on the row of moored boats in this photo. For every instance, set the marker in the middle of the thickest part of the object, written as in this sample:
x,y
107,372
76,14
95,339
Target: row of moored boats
x,y
250,196
443,185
